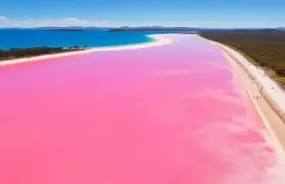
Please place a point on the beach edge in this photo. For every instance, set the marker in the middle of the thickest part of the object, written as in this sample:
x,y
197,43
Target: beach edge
x,y
158,40
265,107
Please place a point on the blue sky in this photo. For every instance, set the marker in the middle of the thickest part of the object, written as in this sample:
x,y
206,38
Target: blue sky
x,y
203,13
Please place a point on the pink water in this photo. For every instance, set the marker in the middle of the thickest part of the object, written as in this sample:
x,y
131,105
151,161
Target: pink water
x,y
174,114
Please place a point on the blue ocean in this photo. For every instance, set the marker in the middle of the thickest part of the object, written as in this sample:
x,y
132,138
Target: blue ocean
x,y
26,38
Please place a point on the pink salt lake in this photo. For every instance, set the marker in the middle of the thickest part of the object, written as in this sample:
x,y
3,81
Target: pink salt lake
x,y
174,114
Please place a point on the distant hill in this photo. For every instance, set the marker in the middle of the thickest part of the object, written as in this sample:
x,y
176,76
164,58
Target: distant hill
x,y
153,28
73,28
69,30
149,28
186,29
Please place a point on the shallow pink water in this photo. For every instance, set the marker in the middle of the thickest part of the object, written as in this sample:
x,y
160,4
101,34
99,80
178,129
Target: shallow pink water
x,y
173,114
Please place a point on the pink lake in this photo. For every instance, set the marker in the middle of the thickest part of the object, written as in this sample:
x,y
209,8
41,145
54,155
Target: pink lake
x,y
175,114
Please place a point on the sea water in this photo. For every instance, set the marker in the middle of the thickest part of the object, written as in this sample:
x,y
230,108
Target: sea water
x,y
26,38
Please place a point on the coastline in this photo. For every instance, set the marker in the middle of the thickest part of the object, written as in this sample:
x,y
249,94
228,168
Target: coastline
x,y
158,40
257,83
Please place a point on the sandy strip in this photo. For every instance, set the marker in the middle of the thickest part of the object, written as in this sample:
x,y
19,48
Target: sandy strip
x,y
269,85
160,40
249,74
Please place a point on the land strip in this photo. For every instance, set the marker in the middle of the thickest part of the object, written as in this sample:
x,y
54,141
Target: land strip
x,y
271,114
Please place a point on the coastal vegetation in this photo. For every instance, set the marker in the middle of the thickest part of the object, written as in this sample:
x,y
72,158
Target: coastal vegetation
x,y
15,53
265,48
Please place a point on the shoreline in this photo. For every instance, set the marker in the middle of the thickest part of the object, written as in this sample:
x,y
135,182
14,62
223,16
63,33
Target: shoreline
x,y
158,40
269,111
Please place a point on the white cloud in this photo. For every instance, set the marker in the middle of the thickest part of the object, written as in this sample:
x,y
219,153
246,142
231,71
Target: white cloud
x,y
3,18
71,21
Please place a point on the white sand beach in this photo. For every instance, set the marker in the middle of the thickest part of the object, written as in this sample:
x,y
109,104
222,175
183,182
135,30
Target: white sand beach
x,y
159,41
270,103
